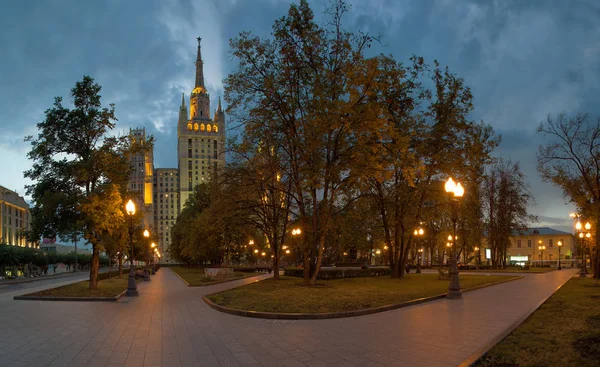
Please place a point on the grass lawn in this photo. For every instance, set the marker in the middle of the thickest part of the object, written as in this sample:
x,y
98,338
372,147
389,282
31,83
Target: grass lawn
x,y
565,331
511,270
195,276
288,295
106,288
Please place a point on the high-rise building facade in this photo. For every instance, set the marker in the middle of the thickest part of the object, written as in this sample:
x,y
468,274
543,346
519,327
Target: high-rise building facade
x,y
141,181
166,204
201,139
163,192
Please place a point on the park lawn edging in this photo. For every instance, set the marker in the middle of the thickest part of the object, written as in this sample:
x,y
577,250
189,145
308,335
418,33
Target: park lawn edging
x,y
474,358
75,299
342,314
39,296
215,282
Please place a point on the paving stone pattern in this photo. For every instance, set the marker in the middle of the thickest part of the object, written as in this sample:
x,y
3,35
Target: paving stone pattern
x,y
169,325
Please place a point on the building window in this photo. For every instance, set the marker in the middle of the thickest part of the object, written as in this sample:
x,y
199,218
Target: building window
x,y
195,128
202,128
528,243
550,242
518,243
216,128
189,126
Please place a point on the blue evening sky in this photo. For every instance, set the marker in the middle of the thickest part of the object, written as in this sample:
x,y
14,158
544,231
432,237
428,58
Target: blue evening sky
x,y
522,59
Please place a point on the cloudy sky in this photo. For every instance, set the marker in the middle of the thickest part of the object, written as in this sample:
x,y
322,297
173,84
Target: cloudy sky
x,y
522,59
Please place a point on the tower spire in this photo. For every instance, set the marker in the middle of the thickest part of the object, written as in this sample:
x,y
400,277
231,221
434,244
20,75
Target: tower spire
x,y
183,107
199,67
219,110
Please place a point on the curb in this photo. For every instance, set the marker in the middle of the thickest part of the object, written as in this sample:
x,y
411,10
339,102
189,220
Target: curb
x,y
74,299
473,358
47,277
337,315
213,283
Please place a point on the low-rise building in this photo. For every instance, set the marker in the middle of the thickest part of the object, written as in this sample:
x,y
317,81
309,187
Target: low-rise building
x,y
526,245
15,218
53,247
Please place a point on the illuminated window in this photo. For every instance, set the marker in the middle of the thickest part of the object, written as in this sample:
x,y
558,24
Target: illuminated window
x,y
196,127
202,127
208,128
189,126
216,128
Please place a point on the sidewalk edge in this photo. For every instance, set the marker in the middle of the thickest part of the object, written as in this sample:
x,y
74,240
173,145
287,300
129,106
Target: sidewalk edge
x,y
473,358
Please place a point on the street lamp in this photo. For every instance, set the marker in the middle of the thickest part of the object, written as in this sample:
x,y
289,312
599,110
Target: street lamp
x,y
559,244
146,270
476,249
419,233
296,231
153,246
457,192
131,285
582,236
542,248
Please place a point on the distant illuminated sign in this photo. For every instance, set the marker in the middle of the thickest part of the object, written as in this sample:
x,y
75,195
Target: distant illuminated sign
x,y
519,258
488,253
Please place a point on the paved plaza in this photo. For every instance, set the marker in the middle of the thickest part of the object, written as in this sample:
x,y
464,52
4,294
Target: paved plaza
x,y
170,325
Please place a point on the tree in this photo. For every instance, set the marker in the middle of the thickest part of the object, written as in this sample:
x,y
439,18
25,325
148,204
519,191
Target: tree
x,y
257,194
303,90
75,161
506,198
571,161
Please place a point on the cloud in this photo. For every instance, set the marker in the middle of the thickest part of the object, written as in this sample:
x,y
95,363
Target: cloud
x,y
522,60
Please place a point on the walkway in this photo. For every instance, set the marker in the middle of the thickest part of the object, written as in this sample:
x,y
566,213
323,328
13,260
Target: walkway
x,y
169,325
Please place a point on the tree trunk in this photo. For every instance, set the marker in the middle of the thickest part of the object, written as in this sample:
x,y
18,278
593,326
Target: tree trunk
x,y
95,264
120,265
313,278
109,275
306,265
276,267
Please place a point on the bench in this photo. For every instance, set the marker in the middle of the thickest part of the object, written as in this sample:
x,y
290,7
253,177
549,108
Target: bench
x,y
443,275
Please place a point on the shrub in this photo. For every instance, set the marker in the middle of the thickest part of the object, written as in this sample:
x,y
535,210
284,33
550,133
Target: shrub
x,y
330,274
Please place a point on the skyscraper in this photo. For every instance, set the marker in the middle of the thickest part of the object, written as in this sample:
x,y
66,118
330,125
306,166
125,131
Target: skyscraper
x,y
201,140
200,152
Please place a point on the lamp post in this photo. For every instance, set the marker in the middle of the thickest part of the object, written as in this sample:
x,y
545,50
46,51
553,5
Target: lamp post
x,y
457,192
559,244
419,233
542,248
582,236
146,270
588,235
131,285
153,247
419,261
539,245
476,249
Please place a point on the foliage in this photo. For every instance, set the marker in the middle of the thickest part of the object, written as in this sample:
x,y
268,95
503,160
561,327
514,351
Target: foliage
x,y
570,159
506,197
208,216
302,93
341,126
76,162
